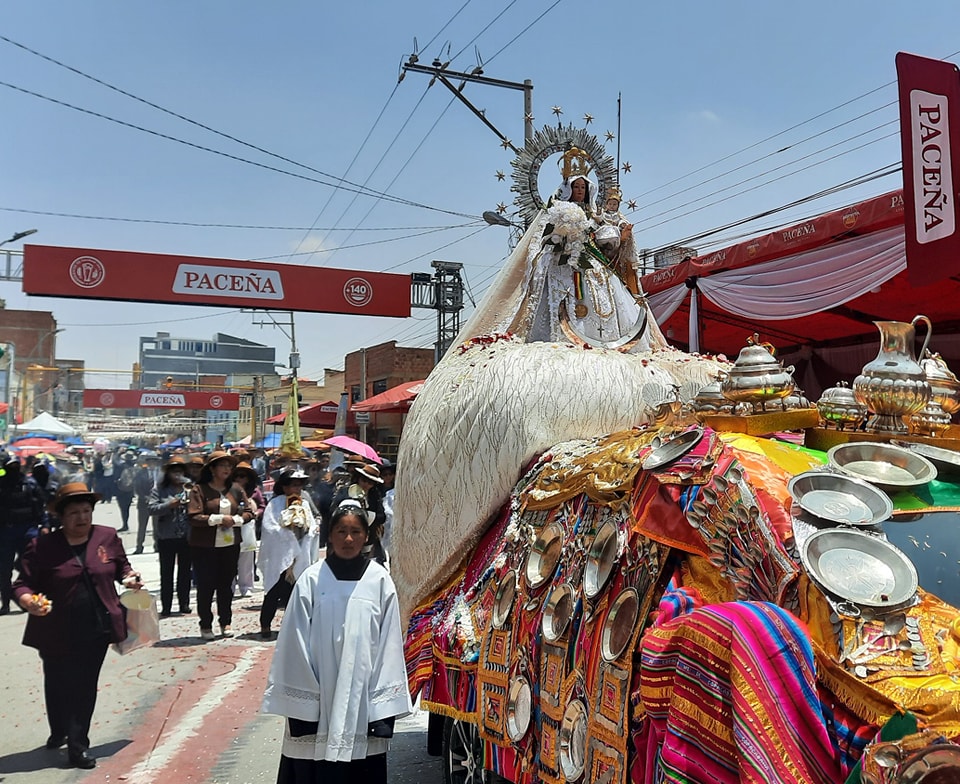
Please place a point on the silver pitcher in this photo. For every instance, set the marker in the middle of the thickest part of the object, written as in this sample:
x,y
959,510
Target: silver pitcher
x,y
894,385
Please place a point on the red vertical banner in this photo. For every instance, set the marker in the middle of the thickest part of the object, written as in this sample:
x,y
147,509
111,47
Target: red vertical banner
x,y
930,140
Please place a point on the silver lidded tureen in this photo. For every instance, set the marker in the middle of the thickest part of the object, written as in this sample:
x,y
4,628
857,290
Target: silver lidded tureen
x,y
839,407
710,400
944,386
757,377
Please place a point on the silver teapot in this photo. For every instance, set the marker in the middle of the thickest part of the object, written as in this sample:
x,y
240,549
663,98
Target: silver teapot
x,y
757,377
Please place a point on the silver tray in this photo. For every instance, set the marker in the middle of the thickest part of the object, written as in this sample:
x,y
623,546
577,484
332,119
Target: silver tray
x,y
619,625
884,465
839,498
519,708
544,555
503,601
946,461
557,613
860,568
573,740
672,450
937,763
601,559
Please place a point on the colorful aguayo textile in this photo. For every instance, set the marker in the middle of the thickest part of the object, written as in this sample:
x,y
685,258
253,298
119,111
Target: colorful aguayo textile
x,y
730,693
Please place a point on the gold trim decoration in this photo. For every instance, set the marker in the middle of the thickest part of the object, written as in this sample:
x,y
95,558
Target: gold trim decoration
x,y
552,674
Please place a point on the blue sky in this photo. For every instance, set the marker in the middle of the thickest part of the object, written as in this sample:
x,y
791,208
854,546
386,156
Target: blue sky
x,y
728,109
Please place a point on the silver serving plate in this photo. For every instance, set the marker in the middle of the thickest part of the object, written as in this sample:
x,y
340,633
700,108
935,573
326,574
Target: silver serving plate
x,y
839,498
619,625
672,450
519,708
601,559
544,555
884,465
503,601
573,740
557,613
860,568
946,461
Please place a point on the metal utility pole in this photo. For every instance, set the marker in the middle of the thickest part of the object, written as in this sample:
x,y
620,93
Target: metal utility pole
x,y
441,74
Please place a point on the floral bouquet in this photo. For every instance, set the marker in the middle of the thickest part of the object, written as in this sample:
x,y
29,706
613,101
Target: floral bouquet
x,y
566,232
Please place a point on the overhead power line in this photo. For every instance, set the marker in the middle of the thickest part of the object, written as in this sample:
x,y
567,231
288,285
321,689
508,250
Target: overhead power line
x,y
172,113
351,187
223,225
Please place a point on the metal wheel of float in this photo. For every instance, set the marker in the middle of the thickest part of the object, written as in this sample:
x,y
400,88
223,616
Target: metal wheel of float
x,y
463,755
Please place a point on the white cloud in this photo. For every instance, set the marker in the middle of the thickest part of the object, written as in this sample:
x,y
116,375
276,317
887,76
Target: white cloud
x,y
705,115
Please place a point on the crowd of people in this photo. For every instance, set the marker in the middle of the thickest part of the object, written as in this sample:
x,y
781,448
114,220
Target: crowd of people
x,y
220,522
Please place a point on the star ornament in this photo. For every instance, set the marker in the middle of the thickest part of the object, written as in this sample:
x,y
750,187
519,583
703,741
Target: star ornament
x,y
501,208
626,166
506,144
557,110
632,204
500,176
588,118
610,136
528,117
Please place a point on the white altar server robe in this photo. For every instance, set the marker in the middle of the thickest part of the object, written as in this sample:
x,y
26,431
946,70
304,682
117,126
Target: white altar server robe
x,y
339,662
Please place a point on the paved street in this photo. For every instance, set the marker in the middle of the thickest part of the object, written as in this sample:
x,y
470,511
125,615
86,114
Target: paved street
x,y
182,711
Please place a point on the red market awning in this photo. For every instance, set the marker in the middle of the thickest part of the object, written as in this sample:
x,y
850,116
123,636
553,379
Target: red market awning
x,y
315,415
812,290
397,399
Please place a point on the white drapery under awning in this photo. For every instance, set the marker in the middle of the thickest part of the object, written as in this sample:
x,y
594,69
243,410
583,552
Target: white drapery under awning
x,y
798,285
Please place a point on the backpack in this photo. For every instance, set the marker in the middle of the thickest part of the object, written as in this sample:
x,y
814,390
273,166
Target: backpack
x,y
125,482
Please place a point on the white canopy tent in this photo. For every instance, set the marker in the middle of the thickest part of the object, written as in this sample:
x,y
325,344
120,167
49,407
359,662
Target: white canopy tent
x,y
47,424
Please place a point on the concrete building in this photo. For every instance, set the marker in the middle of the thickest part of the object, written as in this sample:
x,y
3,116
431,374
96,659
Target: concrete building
x,y
221,362
185,360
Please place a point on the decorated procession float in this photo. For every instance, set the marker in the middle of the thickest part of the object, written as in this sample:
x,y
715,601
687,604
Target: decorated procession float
x,y
611,572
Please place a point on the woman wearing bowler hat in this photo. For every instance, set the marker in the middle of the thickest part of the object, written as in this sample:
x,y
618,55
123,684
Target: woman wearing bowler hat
x,y
67,585
367,488
216,511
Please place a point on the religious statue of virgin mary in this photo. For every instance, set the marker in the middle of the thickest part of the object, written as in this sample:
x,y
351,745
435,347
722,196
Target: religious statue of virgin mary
x,y
563,282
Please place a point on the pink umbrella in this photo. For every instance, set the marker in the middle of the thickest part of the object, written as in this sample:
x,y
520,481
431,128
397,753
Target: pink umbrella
x,y
348,444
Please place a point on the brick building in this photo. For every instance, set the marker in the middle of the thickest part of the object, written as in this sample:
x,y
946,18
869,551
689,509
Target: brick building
x,y
32,334
373,370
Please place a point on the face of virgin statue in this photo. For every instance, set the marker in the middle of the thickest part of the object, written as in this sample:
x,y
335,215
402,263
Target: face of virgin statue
x,y
578,191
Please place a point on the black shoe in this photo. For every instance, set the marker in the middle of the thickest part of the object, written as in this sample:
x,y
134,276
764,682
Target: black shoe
x,y
56,741
82,760
4,609
185,609
138,551
166,613
122,530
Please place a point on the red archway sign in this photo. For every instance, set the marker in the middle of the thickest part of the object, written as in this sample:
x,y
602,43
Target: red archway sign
x,y
51,271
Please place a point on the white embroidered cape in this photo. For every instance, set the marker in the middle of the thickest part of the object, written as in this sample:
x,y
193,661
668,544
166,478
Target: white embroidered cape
x,y
339,661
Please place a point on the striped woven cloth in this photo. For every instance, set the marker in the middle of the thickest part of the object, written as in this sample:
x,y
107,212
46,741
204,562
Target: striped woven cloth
x,y
730,694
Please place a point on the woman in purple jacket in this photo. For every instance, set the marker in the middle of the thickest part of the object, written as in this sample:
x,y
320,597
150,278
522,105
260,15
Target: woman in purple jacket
x,y
67,585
